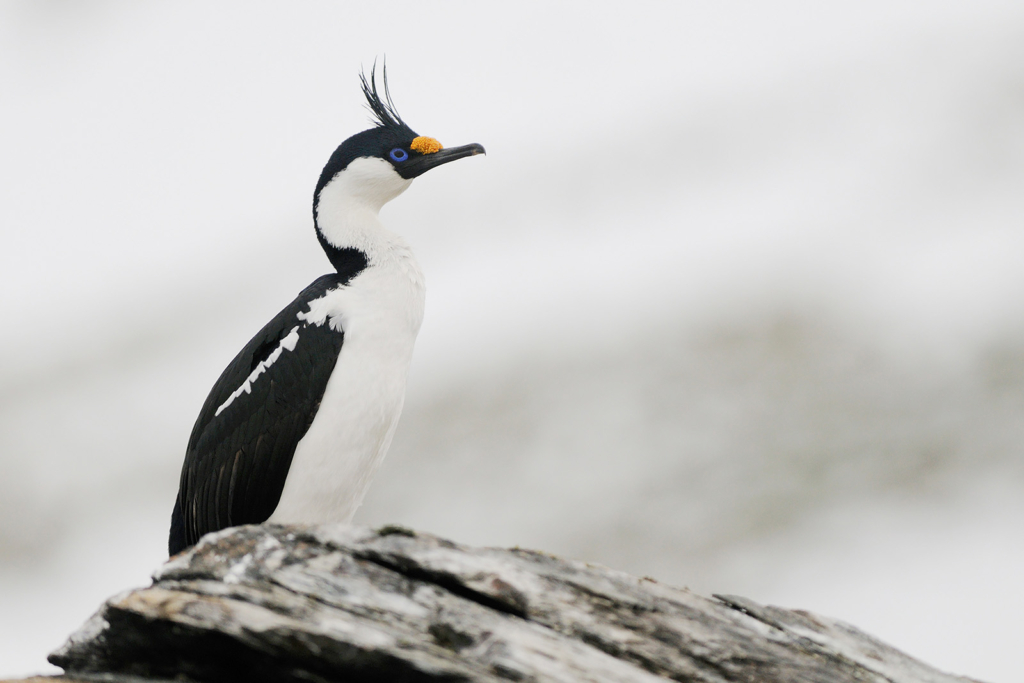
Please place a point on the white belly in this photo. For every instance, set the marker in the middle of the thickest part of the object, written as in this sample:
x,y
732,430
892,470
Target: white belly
x,y
380,312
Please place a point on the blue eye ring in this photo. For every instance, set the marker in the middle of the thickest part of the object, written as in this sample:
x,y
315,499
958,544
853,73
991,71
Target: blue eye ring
x,y
398,154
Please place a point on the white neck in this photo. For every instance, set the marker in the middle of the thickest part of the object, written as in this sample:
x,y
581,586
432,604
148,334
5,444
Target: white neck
x,y
348,207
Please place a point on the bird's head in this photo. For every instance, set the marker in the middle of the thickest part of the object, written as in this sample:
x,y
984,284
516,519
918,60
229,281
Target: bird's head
x,y
373,167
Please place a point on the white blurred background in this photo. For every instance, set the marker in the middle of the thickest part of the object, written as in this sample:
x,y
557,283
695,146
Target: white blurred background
x,y
736,299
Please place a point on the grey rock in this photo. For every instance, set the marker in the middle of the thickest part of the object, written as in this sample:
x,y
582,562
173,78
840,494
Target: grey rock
x,y
340,603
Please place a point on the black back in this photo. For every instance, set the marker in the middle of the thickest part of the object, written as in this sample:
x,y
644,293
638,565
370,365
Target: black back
x,y
237,462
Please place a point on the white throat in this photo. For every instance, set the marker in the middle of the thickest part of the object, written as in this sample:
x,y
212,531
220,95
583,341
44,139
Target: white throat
x,y
349,204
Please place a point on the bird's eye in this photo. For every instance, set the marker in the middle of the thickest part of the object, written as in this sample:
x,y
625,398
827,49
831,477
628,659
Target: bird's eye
x,y
399,154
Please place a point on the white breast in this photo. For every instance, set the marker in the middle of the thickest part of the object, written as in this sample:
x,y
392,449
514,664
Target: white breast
x,y
380,312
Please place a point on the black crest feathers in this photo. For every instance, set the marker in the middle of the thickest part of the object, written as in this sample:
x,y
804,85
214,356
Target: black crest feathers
x,y
383,109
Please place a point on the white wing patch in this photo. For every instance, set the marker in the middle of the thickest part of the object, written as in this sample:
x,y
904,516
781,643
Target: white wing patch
x,y
288,343
327,309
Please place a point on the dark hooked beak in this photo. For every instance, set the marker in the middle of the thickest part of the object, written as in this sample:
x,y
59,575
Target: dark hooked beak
x,y
418,164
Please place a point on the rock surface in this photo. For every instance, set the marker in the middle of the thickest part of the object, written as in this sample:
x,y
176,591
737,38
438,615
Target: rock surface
x,y
337,603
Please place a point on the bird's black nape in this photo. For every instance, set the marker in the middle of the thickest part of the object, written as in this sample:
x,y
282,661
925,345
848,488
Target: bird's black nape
x,y
385,115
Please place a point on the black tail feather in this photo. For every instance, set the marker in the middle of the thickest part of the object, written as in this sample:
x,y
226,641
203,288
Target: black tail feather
x,y
176,543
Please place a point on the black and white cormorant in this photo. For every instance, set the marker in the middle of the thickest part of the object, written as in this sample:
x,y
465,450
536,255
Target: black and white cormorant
x,y
299,421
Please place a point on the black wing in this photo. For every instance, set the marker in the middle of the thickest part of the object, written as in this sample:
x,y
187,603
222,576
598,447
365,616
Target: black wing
x,y
237,460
